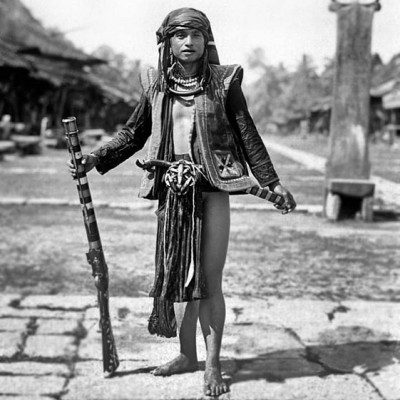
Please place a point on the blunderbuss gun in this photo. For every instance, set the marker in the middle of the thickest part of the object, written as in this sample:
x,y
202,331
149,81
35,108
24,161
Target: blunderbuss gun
x,y
95,255
175,178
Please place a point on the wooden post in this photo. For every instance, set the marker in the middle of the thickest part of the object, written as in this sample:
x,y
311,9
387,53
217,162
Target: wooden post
x,y
347,184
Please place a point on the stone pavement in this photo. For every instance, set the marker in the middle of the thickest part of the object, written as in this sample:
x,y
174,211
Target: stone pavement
x,y
272,350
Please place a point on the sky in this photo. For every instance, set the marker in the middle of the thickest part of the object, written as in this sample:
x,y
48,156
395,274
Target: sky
x,y
284,29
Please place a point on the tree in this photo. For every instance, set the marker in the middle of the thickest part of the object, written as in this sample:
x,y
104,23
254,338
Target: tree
x,y
265,92
119,71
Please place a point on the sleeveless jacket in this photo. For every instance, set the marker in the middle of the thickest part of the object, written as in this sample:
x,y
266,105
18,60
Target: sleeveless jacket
x,y
227,143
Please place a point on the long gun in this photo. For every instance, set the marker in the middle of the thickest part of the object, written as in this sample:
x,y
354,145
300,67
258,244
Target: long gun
x,y
95,255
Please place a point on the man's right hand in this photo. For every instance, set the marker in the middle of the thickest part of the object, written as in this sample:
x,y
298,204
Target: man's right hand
x,y
88,160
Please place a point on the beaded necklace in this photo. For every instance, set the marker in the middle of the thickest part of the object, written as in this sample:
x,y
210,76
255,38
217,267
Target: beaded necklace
x,y
184,85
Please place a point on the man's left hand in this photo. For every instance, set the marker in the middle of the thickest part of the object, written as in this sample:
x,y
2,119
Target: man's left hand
x,y
290,204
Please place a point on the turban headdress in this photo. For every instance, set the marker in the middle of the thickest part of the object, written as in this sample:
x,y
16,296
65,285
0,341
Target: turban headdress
x,y
176,20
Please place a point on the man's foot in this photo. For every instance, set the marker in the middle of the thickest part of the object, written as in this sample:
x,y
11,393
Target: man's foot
x,y
178,365
214,385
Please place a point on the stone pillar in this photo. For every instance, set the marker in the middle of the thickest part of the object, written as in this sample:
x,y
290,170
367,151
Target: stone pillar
x,y
347,186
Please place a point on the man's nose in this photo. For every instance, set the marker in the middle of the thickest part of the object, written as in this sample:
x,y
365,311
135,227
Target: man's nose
x,y
189,40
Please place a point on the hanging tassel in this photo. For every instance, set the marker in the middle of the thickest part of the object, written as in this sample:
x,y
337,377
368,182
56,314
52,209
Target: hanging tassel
x,y
162,321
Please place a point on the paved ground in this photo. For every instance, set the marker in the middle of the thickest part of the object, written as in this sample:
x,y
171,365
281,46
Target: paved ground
x,y
275,350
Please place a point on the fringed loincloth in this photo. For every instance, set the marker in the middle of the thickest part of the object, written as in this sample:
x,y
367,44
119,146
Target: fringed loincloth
x,y
178,273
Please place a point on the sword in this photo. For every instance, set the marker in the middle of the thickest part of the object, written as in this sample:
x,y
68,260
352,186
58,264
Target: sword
x,y
255,190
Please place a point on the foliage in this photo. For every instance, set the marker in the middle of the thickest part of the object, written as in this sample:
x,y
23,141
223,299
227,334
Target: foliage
x,y
120,71
281,97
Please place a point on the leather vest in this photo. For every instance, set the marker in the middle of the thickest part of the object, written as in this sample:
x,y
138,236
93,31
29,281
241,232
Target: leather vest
x,y
219,146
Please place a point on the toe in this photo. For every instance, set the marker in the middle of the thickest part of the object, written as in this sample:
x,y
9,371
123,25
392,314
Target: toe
x,y
207,390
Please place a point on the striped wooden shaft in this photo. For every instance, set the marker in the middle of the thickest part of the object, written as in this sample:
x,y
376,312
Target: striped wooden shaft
x,y
266,195
82,184
95,256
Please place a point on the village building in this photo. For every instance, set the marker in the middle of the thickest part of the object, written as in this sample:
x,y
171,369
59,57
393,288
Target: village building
x,y
44,78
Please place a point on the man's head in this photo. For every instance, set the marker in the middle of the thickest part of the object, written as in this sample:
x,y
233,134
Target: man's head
x,y
186,35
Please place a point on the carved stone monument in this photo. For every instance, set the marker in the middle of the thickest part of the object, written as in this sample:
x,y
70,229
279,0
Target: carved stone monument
x,y
348,190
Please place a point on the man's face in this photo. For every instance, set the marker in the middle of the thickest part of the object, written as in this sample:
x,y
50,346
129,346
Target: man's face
x,y
188,45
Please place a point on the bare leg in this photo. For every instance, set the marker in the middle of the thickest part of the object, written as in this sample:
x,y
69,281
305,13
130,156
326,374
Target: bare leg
x,y
186,317
215,237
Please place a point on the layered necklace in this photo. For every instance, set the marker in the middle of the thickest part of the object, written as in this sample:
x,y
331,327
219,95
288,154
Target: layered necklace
x,y
184,85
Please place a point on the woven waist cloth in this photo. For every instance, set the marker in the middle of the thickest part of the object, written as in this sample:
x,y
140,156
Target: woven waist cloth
x,y
178,273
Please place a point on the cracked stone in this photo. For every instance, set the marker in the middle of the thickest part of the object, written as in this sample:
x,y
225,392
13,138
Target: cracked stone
x,y
349,357
50,346
125,308
27,385
33,368
277,367
132,384
40,313
255,339
244,311
59,302
26,398
304,318
333,387
13,324
387,381
377,316
54,326
10,343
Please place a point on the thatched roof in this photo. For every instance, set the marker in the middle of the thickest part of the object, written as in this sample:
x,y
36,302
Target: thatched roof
x,y
18,26
26,44
386,77
9,56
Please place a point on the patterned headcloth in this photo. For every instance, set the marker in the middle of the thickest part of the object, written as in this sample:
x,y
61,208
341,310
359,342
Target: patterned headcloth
x,y
184,18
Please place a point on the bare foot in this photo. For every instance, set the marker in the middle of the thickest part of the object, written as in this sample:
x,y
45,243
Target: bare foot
x,y
178,365
213,382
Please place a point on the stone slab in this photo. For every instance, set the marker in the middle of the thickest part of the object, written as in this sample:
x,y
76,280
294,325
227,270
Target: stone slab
x,y
39,313
25,397
286,365
50,346
253,339
28,385
10,343
56,326
251,310
20,201
33,368
387,381
13,324
71,303
47,201
352,187
333,387
134,385
7,299
132,308
381,317
152,353
306,319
